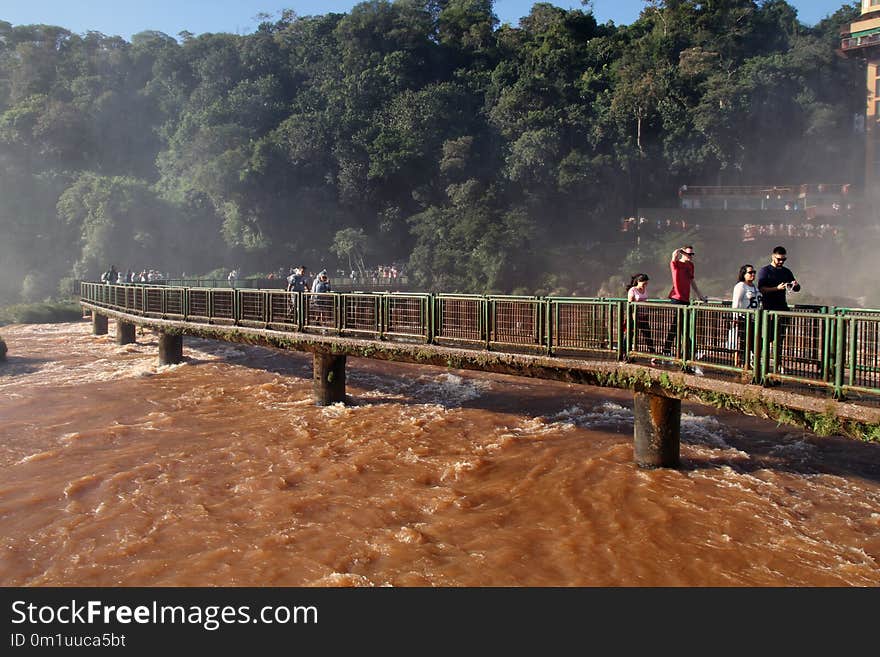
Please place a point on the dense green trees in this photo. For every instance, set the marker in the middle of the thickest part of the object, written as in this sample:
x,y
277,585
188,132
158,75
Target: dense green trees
x,y
485,157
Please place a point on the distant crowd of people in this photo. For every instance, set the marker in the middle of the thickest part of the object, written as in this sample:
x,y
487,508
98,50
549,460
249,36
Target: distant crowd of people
x,y
379,274
631,223
115,276
752,231
299,280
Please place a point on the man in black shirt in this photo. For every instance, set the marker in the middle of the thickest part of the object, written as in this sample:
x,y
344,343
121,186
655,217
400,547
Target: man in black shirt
x,y
774,280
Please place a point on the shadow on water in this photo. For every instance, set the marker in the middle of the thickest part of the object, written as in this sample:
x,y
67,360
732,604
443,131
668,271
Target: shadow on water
x,y
293,369
812,455
16,366
767,448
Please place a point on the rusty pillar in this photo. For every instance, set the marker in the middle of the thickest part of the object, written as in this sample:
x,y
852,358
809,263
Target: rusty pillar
x,y
329,381
657,430
124,332
99,323
170,348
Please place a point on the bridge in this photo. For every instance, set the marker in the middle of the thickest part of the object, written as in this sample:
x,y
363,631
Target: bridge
x,y
815,367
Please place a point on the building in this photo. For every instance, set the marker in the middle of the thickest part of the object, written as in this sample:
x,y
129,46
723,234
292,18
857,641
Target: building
x,y
790,211
750,213
862,41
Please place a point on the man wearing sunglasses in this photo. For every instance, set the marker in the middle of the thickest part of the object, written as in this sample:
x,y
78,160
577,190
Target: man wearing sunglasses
x,y
775,279
773,282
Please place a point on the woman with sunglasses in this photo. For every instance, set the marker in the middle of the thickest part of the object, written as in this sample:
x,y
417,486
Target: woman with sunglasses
x,y
745,295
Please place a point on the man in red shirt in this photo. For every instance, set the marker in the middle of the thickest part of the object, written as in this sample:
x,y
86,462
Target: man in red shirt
x,y
682,267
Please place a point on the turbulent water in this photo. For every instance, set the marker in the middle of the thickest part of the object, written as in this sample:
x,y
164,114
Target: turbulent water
x,y
221,471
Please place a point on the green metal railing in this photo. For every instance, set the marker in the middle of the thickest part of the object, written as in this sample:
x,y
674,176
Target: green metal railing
x,y
836,349
723,338
584,327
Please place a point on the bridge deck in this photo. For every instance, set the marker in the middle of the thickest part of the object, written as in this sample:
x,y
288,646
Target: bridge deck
x,y
819,413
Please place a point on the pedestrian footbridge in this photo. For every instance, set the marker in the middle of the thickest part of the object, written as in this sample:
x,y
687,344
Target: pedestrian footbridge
x,y
816,367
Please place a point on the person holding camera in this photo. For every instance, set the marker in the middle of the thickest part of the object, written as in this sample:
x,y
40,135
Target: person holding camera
x,y
774,280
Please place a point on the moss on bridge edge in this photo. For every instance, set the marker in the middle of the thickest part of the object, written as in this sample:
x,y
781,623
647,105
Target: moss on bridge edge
x,y
622,376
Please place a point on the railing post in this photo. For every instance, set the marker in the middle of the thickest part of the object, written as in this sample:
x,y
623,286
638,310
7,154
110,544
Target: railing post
x,y
839,356
765,347
853,350
826,355
489,315
688,334
539,325
550,331
379,314
656,430
430,310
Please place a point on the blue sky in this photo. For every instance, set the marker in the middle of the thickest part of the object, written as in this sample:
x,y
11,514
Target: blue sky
x,y
125,17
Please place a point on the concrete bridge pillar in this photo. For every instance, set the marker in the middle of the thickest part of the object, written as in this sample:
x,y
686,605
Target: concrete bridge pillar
x,y
170,348
124,332
329,381
99,323
657,430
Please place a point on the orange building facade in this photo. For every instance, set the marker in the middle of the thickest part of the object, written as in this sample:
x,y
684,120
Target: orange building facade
x,y
863,41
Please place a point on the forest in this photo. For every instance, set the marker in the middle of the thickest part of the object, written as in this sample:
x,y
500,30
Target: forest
x,y
482,157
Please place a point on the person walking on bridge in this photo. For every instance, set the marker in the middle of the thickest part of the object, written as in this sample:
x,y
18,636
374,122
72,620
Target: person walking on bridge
x,y
323,304
681,267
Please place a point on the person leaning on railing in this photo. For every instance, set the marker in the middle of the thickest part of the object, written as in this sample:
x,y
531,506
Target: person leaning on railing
x,y
638,291
747,296
323,304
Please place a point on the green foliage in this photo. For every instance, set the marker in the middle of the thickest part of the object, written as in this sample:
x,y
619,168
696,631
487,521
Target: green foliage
x,y
220,274
487,157
40,313
351,243
67,288
36,286
119,220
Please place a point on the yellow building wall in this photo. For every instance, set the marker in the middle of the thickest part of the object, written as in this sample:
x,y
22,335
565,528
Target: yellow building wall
x,y
861,26
872,127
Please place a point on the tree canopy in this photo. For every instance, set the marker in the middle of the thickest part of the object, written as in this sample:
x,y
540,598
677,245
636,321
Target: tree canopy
x,y
481,155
